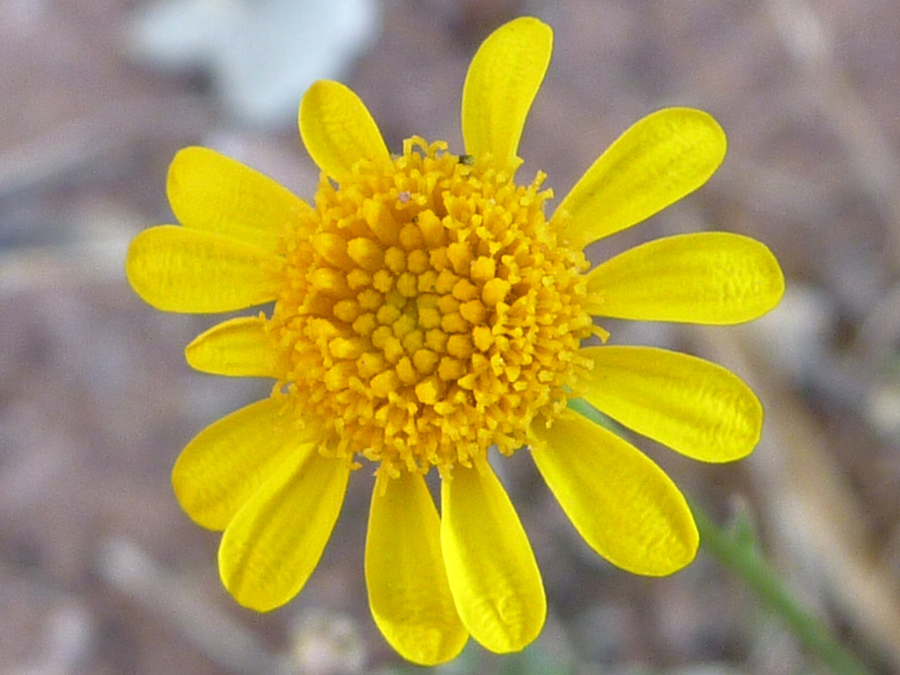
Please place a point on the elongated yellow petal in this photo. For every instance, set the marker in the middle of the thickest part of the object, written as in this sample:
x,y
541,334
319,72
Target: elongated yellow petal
x,y
227,462
492,571
212,192
660,159
338,130
501,84
695,407
704,277
274,543
238,347
623,505
177,269
408,589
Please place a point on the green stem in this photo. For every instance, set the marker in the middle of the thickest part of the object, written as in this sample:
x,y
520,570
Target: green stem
x,y
743,557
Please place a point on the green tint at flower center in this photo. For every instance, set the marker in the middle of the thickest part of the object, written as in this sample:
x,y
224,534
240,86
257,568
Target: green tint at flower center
x,y
430,310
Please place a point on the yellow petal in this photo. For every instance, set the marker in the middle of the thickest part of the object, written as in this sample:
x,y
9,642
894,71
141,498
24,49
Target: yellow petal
x,y
704,277
501,84
177,269
492,570
660,159
695,407
623,505
274,543
408,589
338,130
212,192
238,347
227,462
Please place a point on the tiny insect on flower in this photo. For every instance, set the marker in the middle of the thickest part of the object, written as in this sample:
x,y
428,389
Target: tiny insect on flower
x,y
426,309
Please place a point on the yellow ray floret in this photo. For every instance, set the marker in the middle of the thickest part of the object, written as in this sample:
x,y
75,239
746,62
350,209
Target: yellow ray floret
x,y
690,405
660,159
502,82
275,540
230,460
418,617
177,269
714,278
338,130
240,347
493,574
211,192
624,506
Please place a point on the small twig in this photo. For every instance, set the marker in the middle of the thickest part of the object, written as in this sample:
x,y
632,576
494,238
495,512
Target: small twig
x,y
222,639
50,267
74,145
868,148
814,518
744,559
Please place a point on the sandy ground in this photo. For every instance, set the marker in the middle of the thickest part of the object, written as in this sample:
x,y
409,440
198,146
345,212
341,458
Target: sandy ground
x,y
100,572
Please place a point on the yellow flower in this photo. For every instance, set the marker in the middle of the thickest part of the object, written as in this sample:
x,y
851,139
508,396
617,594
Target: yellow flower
x,y
426,309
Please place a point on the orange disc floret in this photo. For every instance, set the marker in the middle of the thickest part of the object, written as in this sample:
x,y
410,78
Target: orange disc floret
x,y
433,312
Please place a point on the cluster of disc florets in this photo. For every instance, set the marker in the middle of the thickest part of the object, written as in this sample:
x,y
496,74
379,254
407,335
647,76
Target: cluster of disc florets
x,y
429,311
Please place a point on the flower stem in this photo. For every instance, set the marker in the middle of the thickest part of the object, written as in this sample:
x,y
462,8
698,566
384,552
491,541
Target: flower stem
x,y
738,550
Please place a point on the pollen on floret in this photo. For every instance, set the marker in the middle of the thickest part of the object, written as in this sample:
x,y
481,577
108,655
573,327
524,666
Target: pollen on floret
x,y
437,306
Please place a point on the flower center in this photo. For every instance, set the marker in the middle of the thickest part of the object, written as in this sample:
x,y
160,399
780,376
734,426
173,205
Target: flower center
x,y
430,311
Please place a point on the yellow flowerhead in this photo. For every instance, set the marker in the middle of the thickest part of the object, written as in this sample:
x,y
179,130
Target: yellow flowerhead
x,y
426,309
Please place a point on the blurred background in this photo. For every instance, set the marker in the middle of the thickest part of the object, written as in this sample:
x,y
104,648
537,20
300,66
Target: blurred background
x,y
101,573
